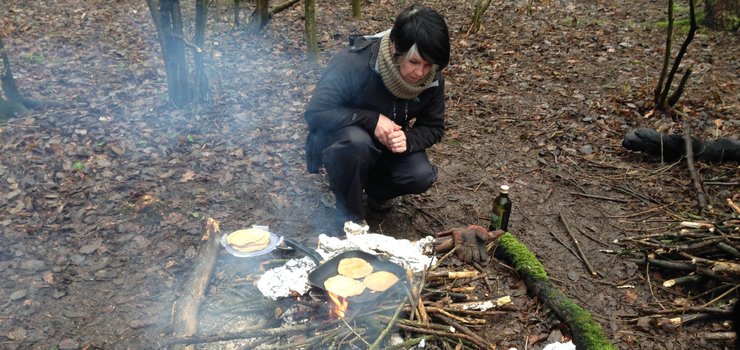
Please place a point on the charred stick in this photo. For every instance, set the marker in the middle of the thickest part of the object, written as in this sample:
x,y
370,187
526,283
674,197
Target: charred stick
x,y
695,179
388,328
418,324
408,344
443,258
306,343
476,313
694,309
485,278
442,312
619,200
248,333
447,293
728,249
467,331
443,334
578,246
682,280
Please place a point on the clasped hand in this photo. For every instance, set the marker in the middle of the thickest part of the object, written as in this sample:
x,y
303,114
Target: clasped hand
x,y
390,135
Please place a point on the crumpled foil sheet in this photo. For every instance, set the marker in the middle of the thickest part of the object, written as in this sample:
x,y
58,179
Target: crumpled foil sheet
x,y
293,276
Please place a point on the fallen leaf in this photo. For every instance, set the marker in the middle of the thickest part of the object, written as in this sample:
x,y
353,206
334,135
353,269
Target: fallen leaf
x,y
48,277
189,175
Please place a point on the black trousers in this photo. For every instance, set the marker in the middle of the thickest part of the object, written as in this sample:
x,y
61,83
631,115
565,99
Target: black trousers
x,y
355,161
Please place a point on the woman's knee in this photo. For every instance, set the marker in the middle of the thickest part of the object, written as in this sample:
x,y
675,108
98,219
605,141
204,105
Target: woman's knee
x,y
421,179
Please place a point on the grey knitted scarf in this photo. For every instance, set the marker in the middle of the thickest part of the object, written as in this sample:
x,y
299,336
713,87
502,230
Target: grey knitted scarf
x,y
392,75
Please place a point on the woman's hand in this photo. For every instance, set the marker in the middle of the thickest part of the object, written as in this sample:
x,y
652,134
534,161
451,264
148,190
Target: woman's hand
x,y
397,142
385,129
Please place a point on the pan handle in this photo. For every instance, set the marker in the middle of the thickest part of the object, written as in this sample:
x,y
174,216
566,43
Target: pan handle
x,y
314,255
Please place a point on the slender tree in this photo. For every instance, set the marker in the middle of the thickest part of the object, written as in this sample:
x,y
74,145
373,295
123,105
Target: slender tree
x,y
167,18
356,8
662,101
12,102
311,40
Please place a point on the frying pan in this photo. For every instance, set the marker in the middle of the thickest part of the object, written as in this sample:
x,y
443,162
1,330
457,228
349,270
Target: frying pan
x,y
328,269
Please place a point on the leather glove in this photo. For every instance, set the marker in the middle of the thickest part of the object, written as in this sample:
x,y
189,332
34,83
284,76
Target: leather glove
x,y
470,242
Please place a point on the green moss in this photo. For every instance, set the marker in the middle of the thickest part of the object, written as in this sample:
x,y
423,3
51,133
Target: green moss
x,y
588,334
522,258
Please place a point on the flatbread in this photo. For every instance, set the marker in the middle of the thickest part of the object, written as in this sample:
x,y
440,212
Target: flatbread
x,y
380,281
354,267
250,248
344,286
249,240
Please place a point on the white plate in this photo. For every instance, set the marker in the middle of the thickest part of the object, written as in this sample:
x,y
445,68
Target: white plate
x,y
275,240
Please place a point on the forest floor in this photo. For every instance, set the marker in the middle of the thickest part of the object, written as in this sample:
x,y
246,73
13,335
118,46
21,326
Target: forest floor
x,y
102,200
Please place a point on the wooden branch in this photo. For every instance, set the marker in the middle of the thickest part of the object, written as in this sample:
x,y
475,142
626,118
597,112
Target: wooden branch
x,y
185,318
385,331
467,331
443,334
253,332
695,180
619,200
666,59
677,60
578,246
282,7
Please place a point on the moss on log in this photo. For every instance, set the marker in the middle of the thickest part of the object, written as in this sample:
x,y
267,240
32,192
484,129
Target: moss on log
x,y
587,334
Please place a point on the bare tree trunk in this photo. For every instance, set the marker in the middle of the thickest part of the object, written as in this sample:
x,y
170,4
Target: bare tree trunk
x,y
200,85
662,101
260,17
356,9
168,21
312,44
722,14
236,13
480,8
12,102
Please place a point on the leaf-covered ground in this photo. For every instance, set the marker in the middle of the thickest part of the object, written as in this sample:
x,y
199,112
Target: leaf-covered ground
x,y
102,199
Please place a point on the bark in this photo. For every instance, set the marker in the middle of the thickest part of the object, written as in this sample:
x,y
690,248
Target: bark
x,y
480,8
587,334
185,318
260,17
12,102
168,21
236,13
722,14
356,9
200,85
312,44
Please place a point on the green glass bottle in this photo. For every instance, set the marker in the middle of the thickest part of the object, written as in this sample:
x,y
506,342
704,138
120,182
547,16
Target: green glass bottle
x,y
501,210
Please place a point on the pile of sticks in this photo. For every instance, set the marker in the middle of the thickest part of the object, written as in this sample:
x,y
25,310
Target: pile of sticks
x,y
694,251
436,306
700,256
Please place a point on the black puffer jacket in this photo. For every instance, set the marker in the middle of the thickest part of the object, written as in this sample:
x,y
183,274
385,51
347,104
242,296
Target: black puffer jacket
x,y
351,92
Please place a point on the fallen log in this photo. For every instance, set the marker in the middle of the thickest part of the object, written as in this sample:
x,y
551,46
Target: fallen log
x,y
587,334
185,308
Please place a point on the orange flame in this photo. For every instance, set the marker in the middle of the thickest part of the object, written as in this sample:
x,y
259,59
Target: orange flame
x,y
339,305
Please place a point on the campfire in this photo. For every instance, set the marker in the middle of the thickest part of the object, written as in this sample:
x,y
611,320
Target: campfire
x,y
430,303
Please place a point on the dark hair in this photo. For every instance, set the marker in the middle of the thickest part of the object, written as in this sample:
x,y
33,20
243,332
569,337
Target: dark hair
x,y
427,29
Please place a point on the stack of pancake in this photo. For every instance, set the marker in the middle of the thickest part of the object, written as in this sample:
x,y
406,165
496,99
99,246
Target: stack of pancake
x,y
249,240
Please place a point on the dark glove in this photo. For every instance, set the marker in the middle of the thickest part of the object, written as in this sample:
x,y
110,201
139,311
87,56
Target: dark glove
x,y
470,242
